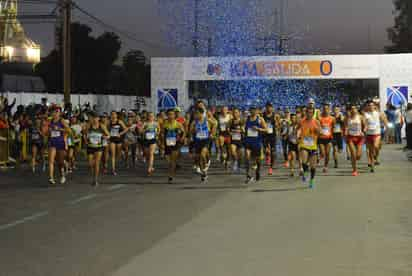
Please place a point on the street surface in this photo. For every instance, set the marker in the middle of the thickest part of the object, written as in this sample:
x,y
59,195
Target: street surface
x,y
134,225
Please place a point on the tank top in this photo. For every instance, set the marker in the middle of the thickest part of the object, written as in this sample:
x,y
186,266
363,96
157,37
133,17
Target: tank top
x,y
95,138
372,123
56,135
292,134
201,130
35,135
308,132
224,123
338,124
236,131
355,126
150,131
326,127
253,136
172,131
270,123
115,129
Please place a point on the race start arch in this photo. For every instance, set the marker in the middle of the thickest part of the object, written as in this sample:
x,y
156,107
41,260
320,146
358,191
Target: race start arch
x,y
171,76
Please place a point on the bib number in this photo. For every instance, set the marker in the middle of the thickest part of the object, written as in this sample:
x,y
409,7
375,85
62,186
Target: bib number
x,y
35,136
114,132
201,135
236,136
325,131
55,134
171,141
308,142
150,135
337,128
252,133
222,127
270,129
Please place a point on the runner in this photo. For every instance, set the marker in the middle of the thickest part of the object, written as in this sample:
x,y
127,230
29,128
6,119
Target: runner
x,y
292,137
150,131
254,128
373,133
237,133
269,138
172,133
327,123
130,140
104,121
223,140
117,130
36,143
202,130
284,126
354,126
57,146
308,134
74,139
337,141
94,132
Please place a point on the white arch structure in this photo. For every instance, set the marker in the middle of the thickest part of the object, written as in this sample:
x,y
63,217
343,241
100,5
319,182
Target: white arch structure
x,y
392,71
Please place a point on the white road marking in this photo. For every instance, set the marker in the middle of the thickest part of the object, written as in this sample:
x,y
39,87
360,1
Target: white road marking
x,y
83,198
116,187
23,220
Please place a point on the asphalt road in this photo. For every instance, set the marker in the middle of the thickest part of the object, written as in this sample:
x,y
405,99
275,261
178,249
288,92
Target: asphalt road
x,y
134,225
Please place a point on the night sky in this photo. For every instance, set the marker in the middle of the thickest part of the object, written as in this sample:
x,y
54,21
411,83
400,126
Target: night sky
x,y
331,26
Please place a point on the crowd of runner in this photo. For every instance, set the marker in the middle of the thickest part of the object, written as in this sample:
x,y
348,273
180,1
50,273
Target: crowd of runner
x,y
241,140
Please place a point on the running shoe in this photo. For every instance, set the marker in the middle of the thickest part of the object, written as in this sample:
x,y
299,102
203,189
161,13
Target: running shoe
x,y
270,171
325,170
372,169
257,175
311,184
355,173
170,180
198,170
63,180
250,180
204,178
377,163
304,178
52,181
33,169
234,168
292,174
114,173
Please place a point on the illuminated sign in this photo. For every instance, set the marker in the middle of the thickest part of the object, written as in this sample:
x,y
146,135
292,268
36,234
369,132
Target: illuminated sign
x,y
273,69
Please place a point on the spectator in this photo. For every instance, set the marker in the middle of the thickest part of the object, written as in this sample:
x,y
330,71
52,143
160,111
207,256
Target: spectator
x,y
408,118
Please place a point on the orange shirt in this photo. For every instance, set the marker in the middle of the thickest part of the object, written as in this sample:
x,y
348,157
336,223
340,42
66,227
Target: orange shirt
x,y
326,124
308,134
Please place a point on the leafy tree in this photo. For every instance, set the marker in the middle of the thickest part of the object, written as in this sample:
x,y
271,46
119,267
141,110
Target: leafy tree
x,y
401,33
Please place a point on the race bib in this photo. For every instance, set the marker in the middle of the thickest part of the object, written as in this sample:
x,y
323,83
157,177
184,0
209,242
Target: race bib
x,y
252,133
308,141
104,143
372,125
55,133
236,136
270,129
293,139
325,131
201,135
171,141
94,140
35,136
69,141
114,132
337,128
354,131
391,125
150,135
222,127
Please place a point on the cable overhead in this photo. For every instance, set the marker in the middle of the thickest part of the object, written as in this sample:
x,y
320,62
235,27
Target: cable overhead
x,y
126,34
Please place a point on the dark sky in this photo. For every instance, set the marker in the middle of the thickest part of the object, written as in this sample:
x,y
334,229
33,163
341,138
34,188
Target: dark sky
x,y
333,26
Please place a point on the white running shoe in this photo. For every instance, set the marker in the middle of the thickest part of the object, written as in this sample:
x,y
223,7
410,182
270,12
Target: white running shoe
x,y
63,180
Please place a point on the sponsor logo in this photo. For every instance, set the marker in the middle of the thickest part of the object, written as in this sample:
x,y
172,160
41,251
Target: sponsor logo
x,y
397,95
166,98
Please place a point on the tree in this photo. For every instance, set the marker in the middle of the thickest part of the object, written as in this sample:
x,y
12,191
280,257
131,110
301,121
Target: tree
x,y
137,73
92,61
401,33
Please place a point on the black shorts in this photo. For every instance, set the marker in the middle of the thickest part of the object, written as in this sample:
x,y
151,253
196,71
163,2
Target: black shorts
x,y
310,152
238,144
116,140
338,140
170,149
255,149
94,150
269,140
293,147
200,145
38,144
148,143
324,141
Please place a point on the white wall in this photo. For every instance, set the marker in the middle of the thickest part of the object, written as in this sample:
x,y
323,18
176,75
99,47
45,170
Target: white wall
x,y
104,102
